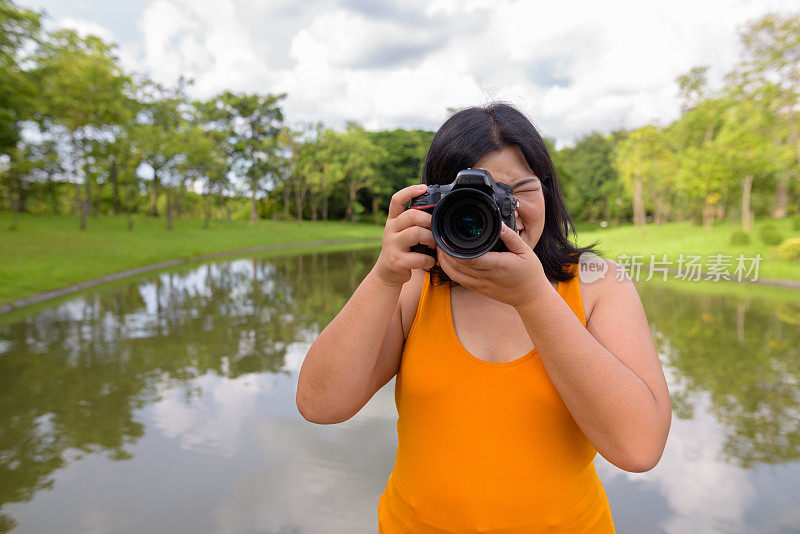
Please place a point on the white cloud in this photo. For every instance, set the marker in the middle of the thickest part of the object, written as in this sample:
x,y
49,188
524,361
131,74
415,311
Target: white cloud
x,y
85,27
215,419
573,68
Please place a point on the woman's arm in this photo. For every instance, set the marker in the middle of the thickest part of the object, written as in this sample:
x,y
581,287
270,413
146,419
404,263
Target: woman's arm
x,y
608,374
361,346
335,380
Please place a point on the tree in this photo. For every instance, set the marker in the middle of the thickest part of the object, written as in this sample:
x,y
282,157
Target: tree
x,y
85,89
645,162
592,175
204,162
700,170
19,28
400,165
329,173
252,124
158,134
746,149
771,69
355,158
693,87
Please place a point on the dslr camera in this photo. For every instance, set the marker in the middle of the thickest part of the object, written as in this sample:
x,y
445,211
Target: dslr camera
x,y
466,214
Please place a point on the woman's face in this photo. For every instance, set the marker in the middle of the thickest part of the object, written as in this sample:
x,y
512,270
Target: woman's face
x,y
508,166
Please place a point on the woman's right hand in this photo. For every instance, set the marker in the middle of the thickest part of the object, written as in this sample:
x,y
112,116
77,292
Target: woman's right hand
x,y
404,229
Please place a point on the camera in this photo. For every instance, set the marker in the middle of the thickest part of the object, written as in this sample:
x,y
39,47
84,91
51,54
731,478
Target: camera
x,y
466,214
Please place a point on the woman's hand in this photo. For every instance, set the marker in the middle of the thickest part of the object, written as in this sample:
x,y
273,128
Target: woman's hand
x,y
404,229
515,277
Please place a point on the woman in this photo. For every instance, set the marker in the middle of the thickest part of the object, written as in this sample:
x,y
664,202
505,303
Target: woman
x,y
513,374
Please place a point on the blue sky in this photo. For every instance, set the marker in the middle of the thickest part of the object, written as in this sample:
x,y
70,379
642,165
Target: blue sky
x,y
573,67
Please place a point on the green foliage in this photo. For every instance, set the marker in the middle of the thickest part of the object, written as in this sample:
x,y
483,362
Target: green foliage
x,y
19,27
646,165
740,238
729,147
796,221
242,213
790,249
770,235
591,177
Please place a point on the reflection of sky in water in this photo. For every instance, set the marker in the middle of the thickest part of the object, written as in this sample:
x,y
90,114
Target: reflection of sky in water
x,y
703,493
236,457
233,455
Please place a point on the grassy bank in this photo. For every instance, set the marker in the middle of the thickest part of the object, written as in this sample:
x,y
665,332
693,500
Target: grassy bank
x,y
685,238
49,252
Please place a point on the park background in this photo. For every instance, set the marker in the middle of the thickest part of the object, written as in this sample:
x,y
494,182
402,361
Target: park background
x,y
179,134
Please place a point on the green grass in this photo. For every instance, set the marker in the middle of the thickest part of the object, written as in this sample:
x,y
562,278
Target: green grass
x,y
685,238
50,252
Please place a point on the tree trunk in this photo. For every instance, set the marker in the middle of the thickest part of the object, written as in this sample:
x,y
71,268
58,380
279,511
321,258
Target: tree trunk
x,y
113,178
168,190
299,198
351,205
314,207
81,205
660,215
781,196
638,201
16,196
298,208
375,214
88,185
182,198
14,205
154,195
207,204
708,216
253,205
324,198
285,196
747,215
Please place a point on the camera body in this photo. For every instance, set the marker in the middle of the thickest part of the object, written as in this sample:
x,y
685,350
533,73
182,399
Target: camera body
x,y
466,214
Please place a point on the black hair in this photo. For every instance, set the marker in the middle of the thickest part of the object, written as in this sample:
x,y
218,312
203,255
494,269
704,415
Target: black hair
x,y
468,136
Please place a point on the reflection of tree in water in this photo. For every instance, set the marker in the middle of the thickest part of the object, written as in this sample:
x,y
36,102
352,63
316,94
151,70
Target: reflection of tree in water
x,y
746,355
72,376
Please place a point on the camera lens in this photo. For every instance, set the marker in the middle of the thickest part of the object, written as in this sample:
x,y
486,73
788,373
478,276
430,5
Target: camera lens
x,y
466,223
469,222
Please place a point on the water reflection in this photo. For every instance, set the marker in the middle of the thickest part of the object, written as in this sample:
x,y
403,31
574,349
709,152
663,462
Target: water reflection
x,y
745,354
167,404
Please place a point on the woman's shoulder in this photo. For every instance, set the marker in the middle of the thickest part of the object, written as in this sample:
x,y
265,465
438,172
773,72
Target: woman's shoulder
x,y
594,288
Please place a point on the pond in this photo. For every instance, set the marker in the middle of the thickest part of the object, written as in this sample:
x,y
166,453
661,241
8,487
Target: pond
x,y
167,404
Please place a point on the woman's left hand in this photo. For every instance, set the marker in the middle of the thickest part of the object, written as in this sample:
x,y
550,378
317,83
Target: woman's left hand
x,y
515,277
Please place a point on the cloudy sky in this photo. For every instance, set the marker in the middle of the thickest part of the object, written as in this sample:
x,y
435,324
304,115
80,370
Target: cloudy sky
x,y
573,67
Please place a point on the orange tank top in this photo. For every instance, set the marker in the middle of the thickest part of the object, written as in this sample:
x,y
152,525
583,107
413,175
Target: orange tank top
x,y
485,446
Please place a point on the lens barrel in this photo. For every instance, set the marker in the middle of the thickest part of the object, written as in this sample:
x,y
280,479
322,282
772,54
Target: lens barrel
x,y
466,223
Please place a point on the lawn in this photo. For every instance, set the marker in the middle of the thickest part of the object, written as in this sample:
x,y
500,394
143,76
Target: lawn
x,y
685,238
50,252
